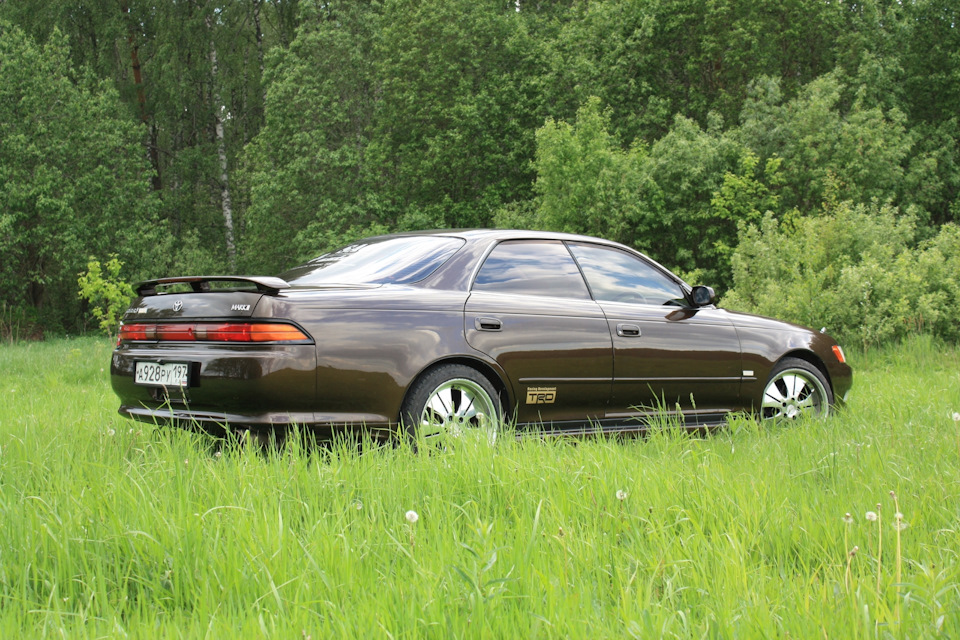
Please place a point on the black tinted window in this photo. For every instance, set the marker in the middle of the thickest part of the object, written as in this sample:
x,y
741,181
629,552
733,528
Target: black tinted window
x,y
617,276
397,260
537,268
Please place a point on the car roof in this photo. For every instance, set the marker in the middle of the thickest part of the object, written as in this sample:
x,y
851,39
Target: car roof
x,y
489,236
502,234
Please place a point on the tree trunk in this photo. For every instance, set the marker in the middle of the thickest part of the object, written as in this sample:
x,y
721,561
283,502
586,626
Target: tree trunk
x,y
219,113
259,33
152,148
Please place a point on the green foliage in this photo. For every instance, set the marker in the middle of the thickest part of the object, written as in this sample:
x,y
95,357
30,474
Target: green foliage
x,y
117,528
856,269
742,199
680,200
307,167
688,165
931,59
73,179
663,124
19,323
859,151
453,133
107,294
652,59
586,182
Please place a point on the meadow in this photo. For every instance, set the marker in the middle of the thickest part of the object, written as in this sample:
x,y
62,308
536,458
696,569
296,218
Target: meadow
x,y
110,528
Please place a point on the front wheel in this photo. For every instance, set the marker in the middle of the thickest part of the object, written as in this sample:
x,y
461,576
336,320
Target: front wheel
x,y
451,400
796,388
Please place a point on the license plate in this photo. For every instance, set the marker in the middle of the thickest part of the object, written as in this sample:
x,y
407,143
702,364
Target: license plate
x,y
170,374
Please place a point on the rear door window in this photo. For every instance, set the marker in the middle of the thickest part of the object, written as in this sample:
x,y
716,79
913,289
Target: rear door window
x,y
532,267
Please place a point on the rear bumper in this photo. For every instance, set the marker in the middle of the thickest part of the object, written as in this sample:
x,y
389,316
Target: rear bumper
x,y
243,385
219,423
246,386
212,421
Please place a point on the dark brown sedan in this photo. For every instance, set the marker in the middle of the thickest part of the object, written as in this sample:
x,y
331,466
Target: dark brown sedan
x,y
441,331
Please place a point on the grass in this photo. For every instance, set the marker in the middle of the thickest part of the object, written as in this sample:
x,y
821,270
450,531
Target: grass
x,y
110,528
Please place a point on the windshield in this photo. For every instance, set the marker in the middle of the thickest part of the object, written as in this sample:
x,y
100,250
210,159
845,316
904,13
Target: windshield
x,y
391,260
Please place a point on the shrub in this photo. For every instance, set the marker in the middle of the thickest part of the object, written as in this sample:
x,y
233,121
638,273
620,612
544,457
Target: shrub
x,y
107,294
859,270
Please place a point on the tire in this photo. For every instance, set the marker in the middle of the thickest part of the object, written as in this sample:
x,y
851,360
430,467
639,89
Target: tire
x,y
796,388
450,400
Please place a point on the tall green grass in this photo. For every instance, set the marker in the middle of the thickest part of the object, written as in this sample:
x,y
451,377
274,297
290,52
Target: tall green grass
x,y
110,528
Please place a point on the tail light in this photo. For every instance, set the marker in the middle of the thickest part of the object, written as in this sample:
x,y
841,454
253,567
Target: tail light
x,y
213,332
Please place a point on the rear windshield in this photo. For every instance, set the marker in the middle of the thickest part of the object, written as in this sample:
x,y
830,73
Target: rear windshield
x,y
397,260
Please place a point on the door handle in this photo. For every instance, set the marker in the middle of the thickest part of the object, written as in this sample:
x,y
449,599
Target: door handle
x,y
628,330
487,324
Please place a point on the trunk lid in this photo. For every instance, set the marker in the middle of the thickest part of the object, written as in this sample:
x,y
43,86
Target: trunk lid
x,y
200,297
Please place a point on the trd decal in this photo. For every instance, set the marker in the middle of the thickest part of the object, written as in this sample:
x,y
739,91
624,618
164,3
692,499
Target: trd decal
x,y
541,395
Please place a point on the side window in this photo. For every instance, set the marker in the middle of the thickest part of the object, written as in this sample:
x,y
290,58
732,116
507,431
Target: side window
x,y
535,268
617,276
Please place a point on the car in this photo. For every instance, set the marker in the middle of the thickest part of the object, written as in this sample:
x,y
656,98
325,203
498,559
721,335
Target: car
x,y
438,332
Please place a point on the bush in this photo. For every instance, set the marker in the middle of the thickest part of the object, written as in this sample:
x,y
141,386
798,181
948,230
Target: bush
x,y
858,270
107,294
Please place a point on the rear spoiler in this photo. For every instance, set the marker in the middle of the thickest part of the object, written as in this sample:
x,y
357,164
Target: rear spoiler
x,y
201,284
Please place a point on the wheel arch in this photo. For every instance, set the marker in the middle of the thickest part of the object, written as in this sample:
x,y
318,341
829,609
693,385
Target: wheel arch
x,y
484,368
812,358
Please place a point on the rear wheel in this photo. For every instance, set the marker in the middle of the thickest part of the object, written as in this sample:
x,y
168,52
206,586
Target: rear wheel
x,y
450,402
796,388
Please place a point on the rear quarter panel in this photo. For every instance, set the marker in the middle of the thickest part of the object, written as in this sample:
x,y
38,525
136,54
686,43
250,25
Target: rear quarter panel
x,y
371,344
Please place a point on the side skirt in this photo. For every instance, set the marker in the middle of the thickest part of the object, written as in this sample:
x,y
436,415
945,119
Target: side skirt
x,y
634,425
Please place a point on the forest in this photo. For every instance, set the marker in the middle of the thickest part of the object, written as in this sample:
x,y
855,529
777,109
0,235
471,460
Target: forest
x,y
800,156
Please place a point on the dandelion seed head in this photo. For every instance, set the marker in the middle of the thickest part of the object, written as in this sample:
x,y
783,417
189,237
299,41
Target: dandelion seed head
x,y
898,516
412,516
358,505
893,494
871,516
853,551
111,432
848,518
956,416
900,525
218,454
621,495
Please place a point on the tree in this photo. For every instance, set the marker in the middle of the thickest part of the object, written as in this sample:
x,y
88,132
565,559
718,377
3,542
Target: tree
x,y
307,169
859,151
652,59
453,135
586,182
74,181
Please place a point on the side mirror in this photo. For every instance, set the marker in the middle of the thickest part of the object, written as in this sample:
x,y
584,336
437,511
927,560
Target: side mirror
x,y
703,296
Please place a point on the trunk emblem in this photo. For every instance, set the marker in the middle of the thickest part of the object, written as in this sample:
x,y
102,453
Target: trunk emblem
x,y
178,305
240,307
